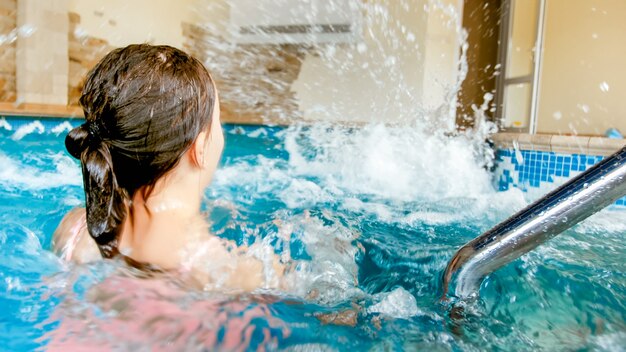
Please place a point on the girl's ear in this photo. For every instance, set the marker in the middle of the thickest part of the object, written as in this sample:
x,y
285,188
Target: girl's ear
x,y
198,150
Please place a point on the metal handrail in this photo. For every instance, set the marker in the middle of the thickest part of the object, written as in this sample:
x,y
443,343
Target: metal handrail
x,y
576,200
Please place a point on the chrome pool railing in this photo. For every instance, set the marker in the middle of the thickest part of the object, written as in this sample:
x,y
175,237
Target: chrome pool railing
x,y
556,212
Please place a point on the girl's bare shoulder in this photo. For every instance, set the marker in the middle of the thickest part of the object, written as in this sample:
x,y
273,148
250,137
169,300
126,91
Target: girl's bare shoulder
x,y
71,239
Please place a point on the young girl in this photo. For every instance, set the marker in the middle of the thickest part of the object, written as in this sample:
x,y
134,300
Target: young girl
x,y
149,147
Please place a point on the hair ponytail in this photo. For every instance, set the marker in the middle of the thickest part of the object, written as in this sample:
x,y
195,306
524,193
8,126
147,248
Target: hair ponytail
x,y
105,201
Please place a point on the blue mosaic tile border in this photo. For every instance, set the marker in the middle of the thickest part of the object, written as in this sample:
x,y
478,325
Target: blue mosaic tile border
x,y
542,171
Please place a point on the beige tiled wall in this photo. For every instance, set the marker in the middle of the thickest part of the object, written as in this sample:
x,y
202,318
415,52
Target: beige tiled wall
x,y
42,52
84,52
559,144
583,81
8,32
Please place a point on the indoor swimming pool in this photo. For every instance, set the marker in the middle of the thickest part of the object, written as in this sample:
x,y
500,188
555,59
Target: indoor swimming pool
x,y
366,219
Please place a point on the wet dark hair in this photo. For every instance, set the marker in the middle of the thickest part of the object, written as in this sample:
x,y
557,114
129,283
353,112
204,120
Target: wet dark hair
x,y
144,106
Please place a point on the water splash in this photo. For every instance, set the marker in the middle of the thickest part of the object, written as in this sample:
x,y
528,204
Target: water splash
x,y
400,163
28,175
400,182
22,31
398,303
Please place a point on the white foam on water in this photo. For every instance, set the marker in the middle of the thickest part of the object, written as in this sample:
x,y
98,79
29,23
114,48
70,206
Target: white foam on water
x,y
303,194
30,243
259,132
62,127
398,163
72,201
432,218
490,208
443,173
606,221
330,277
610,342
398,169
18,175
382,211
4,124
262,179
268,179
398,303
33,127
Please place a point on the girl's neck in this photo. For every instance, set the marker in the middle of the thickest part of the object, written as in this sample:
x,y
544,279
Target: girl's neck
x,y
156,228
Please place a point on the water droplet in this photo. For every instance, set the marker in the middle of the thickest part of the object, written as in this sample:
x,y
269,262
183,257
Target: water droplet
x,y
604,87
583,107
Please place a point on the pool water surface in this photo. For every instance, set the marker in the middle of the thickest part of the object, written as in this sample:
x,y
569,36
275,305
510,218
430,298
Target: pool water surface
x,y
368,218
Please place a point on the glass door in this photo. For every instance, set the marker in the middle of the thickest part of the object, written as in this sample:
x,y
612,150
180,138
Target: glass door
x,y
520,57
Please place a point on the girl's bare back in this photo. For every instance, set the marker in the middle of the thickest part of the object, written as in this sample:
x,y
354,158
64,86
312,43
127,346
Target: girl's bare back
x,y
214,263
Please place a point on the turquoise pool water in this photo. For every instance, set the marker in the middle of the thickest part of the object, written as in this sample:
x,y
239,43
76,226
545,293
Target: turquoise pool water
x,y
370,217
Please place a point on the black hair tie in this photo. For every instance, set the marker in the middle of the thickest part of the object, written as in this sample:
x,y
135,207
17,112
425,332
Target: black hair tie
x,y
94,131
